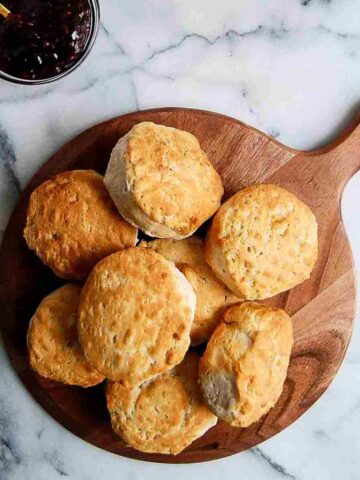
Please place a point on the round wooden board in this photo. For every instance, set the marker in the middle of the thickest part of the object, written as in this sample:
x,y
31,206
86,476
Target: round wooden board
x,y
322,308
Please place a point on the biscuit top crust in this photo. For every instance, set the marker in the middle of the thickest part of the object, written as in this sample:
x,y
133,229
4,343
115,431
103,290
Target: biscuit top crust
x,y
135,316
244,366
266,240
163,415
189,250
72,223
212,295
53,345
170,177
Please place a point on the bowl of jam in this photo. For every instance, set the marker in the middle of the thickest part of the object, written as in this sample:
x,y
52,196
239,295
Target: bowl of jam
x,y
43,40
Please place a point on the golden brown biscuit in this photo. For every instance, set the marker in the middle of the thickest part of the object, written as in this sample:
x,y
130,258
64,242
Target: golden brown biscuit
x,y
135,316
212,296
245,363
262,241
187,251
72,223
164,415
162,182
53,345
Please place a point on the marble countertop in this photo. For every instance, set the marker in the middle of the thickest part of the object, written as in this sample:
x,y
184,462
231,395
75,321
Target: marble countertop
x,y
288,67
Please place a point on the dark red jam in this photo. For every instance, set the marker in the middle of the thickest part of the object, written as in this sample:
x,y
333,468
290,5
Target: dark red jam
x,y
43,38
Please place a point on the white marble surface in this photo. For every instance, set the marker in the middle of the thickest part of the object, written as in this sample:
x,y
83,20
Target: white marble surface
x,y
290,68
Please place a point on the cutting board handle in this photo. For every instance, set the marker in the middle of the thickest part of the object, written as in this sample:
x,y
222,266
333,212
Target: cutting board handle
x,y
344,151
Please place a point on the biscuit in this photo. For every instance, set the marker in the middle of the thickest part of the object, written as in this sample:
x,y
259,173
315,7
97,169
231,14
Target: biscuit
x,y
162,182
72,223
164,415
135,316
245,363
53,345
212,296
262,241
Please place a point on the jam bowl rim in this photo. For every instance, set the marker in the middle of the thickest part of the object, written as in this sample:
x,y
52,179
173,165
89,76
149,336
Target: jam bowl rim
x,y
95,23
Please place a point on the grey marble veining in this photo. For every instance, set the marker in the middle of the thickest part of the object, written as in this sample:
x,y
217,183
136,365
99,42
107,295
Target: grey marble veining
x,y
288,67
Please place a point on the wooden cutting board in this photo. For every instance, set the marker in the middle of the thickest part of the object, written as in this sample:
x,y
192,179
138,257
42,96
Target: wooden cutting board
x,y
322,308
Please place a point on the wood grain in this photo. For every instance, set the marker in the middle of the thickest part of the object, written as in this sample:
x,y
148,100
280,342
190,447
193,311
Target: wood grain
x,y
322,308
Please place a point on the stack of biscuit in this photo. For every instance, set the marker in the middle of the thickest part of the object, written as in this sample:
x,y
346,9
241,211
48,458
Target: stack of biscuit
x,y
137,308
